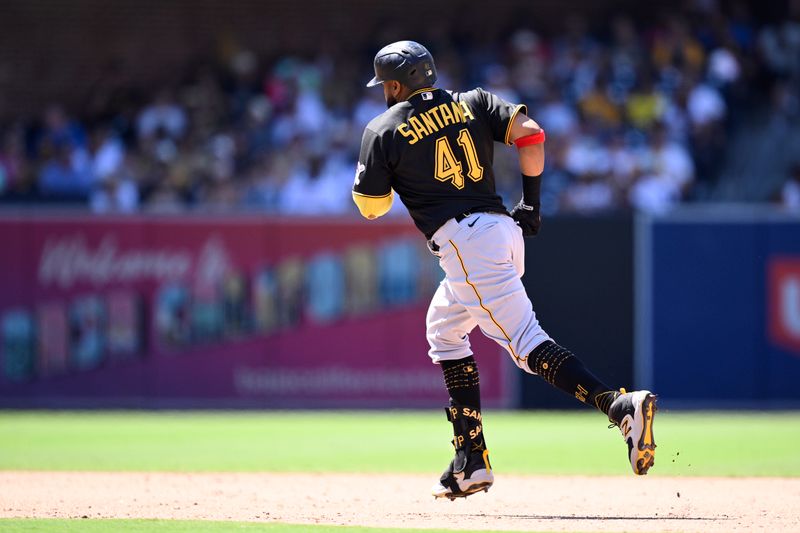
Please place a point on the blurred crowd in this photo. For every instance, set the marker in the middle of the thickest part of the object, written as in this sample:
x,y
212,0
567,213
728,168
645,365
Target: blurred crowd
x,y
637,117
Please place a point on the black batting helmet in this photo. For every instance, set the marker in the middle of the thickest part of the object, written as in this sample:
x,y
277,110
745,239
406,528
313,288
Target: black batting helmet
x,y
408,62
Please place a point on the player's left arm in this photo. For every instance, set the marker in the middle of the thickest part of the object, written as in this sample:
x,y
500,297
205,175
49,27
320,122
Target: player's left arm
x,y
510,124
372,190
531,156
529,138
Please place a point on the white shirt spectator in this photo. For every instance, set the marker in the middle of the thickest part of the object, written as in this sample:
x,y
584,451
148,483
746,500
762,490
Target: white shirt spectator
x,y
790,195
624,163
557,118
673,160
654,193
705,105
586,156
303,194
115,196
723,66
162,114
337,174
108,158
589,196
311,115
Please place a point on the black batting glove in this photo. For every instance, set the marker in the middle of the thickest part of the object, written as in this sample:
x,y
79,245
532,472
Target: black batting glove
x,y
528,218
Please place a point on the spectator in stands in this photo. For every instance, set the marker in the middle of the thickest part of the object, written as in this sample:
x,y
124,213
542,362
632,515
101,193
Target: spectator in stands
x,y
163,117
653,193
636,115
263,183
671,160
590,193
644,105
790,192
117,190
667,174
66,172
58,129
588,160
561,119
308,191
115,195
706,106
624,163
106,152
596,107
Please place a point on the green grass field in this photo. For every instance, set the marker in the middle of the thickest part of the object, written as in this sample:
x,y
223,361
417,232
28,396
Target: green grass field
x,y
690,444
553,443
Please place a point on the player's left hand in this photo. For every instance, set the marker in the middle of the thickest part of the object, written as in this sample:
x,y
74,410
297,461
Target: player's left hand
x,y
528,218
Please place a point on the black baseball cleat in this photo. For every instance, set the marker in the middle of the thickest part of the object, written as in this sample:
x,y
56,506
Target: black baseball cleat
x,y
633,414
475,476
469,471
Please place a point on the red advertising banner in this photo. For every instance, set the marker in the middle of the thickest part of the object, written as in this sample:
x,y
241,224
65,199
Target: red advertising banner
x,y
242,311
784,302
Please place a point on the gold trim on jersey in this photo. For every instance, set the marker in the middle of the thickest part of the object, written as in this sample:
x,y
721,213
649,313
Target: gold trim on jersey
x,y
480,302
423,90
511,122
372,207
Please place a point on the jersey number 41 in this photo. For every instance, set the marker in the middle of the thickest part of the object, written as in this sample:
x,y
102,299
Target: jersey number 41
x,y
449,168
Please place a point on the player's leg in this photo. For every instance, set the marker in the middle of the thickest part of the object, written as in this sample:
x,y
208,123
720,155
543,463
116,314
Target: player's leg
x,y
448,327
563,370
484,263
631,412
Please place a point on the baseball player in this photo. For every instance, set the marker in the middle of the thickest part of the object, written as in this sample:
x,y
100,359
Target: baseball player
x,y
435,148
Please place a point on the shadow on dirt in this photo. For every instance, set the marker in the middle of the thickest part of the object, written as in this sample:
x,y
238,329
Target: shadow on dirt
x,y
590,517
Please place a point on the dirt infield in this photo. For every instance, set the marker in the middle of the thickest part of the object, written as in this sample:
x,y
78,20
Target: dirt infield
x,y
652,504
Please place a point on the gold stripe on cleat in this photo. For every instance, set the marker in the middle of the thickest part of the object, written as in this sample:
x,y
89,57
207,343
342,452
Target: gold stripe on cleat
x,y
469,492
646,447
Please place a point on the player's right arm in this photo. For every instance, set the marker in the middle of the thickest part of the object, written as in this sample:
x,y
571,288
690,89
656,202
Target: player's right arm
x,y
372,190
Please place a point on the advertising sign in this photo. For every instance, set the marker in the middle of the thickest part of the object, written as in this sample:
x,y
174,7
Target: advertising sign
x,y
248,311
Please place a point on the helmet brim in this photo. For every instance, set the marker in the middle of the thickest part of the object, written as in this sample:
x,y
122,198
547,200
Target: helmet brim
x,y
374,81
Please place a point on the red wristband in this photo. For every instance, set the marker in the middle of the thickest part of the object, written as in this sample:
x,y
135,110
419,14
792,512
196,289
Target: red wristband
x,y
535,138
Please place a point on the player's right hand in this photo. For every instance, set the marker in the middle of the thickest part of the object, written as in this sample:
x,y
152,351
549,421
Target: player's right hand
x,y
528,218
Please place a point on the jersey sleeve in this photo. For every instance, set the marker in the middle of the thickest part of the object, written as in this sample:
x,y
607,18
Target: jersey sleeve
x,y
372,189
500,114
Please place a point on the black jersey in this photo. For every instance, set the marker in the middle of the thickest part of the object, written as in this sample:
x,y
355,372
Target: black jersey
x,y
435,150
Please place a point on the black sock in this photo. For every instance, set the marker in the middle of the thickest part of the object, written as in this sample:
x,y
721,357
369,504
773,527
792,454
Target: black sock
x,y
557,366
462,381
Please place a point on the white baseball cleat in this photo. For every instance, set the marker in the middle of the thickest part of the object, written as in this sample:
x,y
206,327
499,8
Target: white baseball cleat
x,y
633,413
